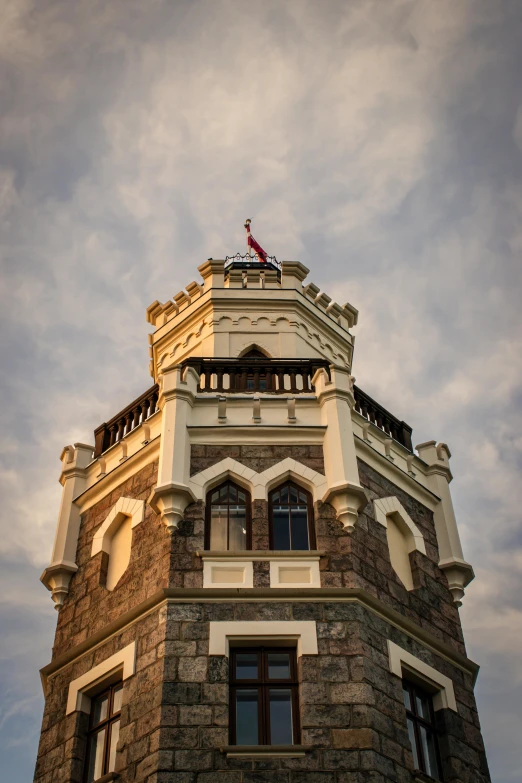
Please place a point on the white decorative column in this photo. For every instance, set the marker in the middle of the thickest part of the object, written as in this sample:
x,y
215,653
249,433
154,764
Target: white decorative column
x,y
57,575
459,573
336,400
172,495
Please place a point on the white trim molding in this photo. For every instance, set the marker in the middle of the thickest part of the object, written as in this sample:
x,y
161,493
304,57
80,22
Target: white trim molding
x,y
82,688
228,572
295,573
258,484
301,632
403,661
126,507
391,506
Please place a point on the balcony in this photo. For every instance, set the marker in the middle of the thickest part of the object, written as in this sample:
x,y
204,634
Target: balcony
x,y
248,375
256,374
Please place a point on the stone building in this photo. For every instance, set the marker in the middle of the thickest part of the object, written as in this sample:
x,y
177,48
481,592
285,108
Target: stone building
x,y
257,578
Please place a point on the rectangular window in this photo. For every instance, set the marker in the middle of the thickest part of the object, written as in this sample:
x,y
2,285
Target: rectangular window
x,y
421,729
263,696
104,731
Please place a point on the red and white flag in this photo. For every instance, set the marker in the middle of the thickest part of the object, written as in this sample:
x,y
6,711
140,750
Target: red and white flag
x,y
251,243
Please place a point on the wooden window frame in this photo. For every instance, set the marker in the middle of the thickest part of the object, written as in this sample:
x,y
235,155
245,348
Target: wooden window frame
x,y
263,685
311,519
104,725
248,515
418,721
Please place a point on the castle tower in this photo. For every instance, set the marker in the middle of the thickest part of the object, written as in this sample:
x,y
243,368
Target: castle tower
x,y
257,578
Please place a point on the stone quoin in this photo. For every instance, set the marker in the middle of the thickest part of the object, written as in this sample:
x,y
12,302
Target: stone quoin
x,y
257,577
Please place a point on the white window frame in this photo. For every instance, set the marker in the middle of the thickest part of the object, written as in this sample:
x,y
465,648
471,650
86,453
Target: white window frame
x,y
302,633
402,662
82,688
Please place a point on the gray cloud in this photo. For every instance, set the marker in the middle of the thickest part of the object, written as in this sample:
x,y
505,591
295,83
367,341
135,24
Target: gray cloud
x,y
379,143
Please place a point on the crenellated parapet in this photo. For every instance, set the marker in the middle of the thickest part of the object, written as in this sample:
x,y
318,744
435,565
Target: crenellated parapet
x,y
231,308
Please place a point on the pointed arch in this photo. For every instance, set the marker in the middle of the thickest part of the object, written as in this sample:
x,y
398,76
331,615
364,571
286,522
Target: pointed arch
x,y
255,351
403,536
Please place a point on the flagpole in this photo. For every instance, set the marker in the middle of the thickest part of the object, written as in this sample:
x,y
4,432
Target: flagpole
x,y
247,226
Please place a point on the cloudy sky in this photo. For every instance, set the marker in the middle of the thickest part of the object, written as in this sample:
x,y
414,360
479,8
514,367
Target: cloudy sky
x,y
380,143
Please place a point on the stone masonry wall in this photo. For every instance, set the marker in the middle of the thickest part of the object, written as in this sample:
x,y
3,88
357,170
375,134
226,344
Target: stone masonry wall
x,y
89,605
360,559
175,708
259,457
62,750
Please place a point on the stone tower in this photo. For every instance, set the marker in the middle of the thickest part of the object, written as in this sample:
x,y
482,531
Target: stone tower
x,y
257,578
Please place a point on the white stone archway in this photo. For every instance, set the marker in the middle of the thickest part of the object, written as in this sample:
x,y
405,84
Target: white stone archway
x,y
258,484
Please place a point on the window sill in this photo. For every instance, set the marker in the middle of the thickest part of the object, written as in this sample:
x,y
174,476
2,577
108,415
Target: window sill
x,y
421,777
261,554
264,751
108,777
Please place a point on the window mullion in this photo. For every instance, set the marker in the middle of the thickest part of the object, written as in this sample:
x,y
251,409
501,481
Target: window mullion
x,y
264,718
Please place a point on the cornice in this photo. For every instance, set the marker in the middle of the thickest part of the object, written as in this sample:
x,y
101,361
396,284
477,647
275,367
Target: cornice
x,y
394,473
243,299
251,434
253,595
120,473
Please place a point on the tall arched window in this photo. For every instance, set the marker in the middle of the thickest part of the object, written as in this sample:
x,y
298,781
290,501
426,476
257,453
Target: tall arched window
x,y
291,518
228,518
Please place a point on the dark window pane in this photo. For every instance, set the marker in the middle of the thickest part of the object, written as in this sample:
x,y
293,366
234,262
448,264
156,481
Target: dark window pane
x,y
293,495
223,494
218,527
262,384
237,529
407,698
241,497
246,666
280,717
100,710
250,384
247,732
276,497
279,666
411,734
281,525
430,755
95,765
116,699
422,703
302,497
300,528
284,494
115,733
214,497
233,494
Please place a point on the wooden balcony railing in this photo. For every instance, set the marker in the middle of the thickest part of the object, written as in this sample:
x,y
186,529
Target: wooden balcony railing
x,y
251,374
371,410
112,431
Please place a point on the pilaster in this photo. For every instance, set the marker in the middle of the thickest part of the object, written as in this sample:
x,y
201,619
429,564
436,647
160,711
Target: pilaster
x,y
458,572
336,400
172,494
57,575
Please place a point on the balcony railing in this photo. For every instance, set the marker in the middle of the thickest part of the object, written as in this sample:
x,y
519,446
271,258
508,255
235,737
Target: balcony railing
x,y
254,374
253,261
250,374
112,431
376,414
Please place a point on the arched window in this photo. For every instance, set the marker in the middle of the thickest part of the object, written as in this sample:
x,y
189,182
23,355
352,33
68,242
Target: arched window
x,y
228,518
291,518
255,378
